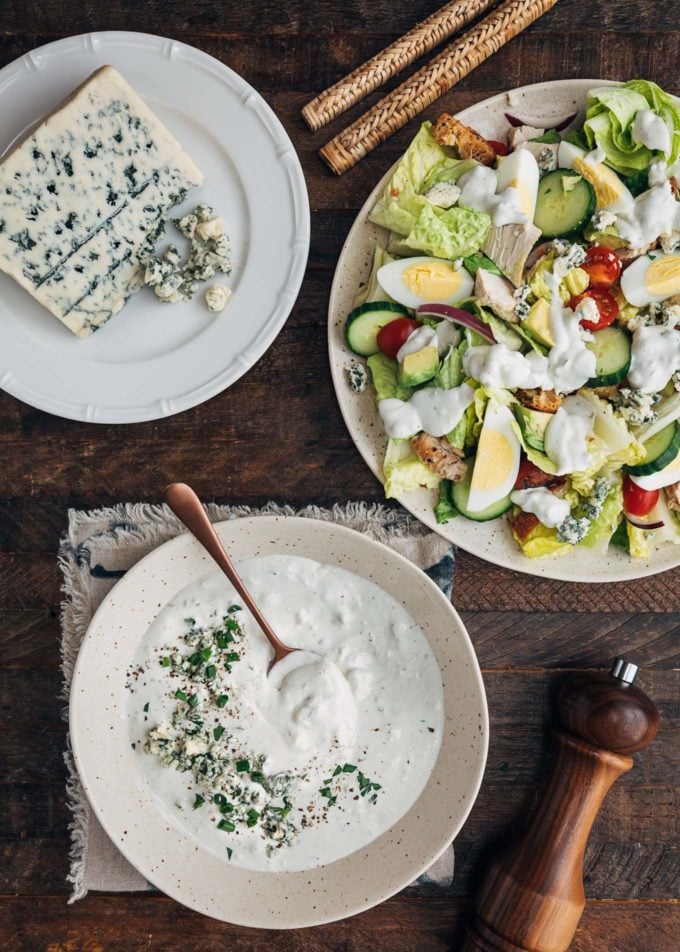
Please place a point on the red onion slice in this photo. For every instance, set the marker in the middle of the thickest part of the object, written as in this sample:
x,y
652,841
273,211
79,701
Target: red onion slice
x,y
639,523
458,316
515,121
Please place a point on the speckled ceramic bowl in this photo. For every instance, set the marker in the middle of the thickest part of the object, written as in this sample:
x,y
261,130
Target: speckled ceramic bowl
x,y
168,857
489,540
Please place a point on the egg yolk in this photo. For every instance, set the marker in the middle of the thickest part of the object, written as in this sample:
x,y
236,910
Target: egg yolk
x,y
435,281
663,275
495,448
525,199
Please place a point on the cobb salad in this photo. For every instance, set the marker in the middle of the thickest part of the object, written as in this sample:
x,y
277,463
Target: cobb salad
x,y
520,327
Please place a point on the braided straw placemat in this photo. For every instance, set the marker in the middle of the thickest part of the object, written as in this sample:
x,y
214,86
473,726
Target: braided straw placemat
x,y
429,83
406,50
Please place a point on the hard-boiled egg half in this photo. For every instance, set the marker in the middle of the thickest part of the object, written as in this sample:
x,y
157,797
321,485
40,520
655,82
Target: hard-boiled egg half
x,y
610,192
416,281
519,170
497,460
652,277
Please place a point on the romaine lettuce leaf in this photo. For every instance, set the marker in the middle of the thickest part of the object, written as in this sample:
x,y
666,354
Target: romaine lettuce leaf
x,y
449,233
404,472
609,122
372,291
474,262
604,526
444,511
385,381
400,204
450,371
543,542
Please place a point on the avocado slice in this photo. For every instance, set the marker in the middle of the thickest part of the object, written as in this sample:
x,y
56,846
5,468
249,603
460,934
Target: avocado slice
x,y
537,322
533,424
419,367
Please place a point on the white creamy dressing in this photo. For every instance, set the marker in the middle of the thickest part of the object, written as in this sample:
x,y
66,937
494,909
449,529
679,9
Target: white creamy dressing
x,y
431,409
655,357
372,699
650,130
587,310
570,362
478,191
444,336
652,214
595,157
496,366
548,508
567,434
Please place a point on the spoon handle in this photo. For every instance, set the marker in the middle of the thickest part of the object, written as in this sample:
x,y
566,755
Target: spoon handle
x,y
188,508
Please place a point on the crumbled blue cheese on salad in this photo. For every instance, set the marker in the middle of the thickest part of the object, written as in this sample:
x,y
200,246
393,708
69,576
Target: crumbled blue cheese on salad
x,y
358,377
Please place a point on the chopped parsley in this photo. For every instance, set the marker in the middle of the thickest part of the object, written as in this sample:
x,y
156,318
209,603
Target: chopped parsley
x,y
199,801
242,766
217,732
146,708
226,825
222,700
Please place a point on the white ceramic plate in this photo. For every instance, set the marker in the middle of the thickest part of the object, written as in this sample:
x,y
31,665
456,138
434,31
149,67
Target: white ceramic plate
x,y
165,854
492,541
153,360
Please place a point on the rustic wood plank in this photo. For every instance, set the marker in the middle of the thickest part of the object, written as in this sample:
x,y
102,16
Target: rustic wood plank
x,y
403,924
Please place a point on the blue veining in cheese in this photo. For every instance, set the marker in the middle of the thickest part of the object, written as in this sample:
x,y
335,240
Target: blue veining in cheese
x,y
84,197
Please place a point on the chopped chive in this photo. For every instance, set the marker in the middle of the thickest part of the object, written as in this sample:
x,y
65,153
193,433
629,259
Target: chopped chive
x,y
253,817
134,746
219,799
226,825
222,700
337,771
205,653
193,700
233,608
373,798
223,639
242,766
210,671
199,801
217,732
257,776
232,656
165,662
349,768
146,708
229,852
377,786
231,624
180,695
195,659
190,621
325,792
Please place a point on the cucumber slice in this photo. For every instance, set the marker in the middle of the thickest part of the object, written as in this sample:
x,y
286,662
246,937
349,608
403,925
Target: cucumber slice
x,y
461,491
612,356
565,204
364,323
662,449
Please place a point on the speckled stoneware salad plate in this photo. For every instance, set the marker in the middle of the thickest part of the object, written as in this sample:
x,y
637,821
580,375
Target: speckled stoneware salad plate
x,y
145,831
490,540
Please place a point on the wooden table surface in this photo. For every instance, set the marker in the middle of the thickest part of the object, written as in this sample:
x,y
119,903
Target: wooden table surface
x,y
243,447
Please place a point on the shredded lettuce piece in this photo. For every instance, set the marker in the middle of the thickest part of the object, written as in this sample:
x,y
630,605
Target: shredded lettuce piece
x,y
639,545
372,291
450,371
384,374
602,528
474,262
404,472
542,542
609,123
451,233
445,510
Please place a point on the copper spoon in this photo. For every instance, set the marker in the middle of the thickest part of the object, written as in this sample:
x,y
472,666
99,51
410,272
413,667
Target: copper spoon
x,y
188,508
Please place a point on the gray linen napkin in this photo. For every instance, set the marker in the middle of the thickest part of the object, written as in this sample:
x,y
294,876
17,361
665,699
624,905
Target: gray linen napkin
x,y
100,546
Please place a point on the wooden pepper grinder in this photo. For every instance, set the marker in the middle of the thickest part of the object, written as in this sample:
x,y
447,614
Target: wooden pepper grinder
x,y
532,897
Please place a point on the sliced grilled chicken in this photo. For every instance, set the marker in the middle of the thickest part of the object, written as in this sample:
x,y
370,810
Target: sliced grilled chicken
x,y
496,292
509,246
439,456
673,495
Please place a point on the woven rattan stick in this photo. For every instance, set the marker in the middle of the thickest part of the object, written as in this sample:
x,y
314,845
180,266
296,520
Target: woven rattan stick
x,y
429,83
404,51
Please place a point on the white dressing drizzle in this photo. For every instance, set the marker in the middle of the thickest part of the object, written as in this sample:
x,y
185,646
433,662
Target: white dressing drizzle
x,y
548,508
478,191
431,409
650,130
567,433
655,357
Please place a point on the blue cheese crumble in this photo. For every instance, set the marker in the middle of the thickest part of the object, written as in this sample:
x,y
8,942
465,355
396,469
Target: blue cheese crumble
x,y
357,376
576,526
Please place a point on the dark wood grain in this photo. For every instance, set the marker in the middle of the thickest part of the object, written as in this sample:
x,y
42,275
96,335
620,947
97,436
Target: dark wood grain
x,y
527,632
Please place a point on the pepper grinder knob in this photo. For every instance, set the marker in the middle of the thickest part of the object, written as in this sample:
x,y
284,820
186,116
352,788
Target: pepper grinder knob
x,y
532,897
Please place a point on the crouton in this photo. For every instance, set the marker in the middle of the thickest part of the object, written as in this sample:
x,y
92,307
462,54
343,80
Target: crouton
x,y
547,401
523,524
439,456
468,143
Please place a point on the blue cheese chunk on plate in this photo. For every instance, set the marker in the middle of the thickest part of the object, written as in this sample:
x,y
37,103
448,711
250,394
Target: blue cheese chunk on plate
x,y
84,197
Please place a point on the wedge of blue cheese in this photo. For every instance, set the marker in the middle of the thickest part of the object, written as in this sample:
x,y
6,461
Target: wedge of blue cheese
x,y
85,197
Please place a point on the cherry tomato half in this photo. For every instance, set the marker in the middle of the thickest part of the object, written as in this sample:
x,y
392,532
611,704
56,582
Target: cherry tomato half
x,y
500,148
638,501
602,265
393,335
606,305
